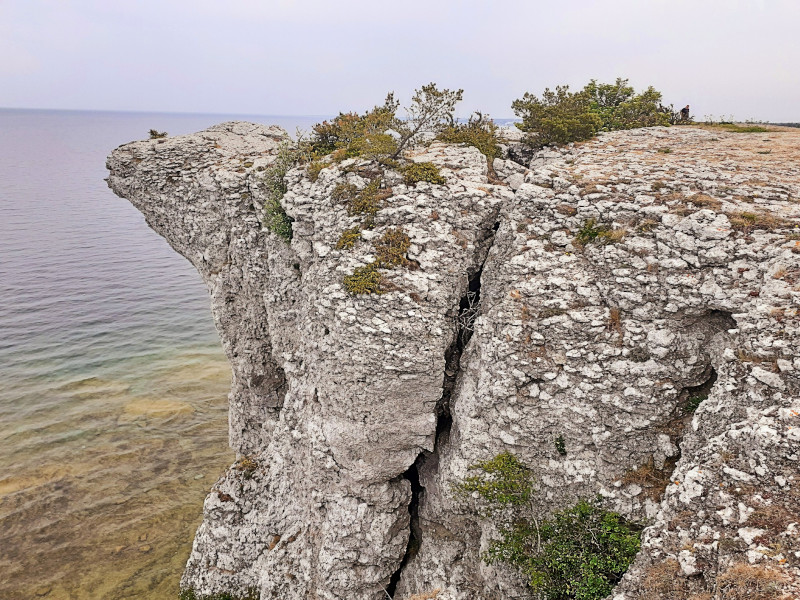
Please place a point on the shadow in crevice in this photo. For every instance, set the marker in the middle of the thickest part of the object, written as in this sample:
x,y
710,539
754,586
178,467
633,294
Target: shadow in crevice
x,y
468,311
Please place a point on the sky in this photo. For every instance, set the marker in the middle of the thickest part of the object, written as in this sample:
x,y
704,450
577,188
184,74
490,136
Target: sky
x,y
737,58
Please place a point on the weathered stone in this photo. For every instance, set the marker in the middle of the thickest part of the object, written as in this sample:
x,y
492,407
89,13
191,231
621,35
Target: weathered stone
x,y
347,411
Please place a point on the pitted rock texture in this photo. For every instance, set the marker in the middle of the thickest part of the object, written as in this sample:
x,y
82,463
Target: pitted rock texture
x,y
686,285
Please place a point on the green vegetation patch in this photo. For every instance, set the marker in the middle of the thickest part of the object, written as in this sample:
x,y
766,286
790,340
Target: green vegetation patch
x,y
275,217
479,132
594,232
579,553
364,280
366,201
157,135
391,248
348,238
422,171
693,403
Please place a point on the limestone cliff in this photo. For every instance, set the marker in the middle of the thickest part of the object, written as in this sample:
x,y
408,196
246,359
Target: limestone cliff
x,y
354,415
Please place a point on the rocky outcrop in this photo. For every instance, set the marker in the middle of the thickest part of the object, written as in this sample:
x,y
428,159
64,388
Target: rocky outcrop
x,y
596,297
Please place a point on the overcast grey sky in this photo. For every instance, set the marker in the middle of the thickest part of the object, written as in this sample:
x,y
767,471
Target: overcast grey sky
x,y
317,57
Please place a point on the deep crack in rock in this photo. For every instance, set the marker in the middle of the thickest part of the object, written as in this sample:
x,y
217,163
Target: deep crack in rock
x,y
468,311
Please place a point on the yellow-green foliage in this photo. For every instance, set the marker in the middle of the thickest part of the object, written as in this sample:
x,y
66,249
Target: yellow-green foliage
x,y
350,134
314,168
157,135
479,132
592,232
501,482
365,202
422,171
391,248
364,280
348,238
578,553
620,107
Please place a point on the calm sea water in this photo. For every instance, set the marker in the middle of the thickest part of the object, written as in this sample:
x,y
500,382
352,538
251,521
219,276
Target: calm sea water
x,y
113,410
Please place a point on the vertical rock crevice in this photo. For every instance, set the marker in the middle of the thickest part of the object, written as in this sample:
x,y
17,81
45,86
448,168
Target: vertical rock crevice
x,y
468,310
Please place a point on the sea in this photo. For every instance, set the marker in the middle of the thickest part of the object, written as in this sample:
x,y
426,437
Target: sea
x,y
113,384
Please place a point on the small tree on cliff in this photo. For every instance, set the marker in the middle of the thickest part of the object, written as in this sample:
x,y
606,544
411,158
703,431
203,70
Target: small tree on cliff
x,y
379,133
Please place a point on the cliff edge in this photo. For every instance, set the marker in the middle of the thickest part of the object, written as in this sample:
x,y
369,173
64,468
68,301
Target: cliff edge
x,y
621,315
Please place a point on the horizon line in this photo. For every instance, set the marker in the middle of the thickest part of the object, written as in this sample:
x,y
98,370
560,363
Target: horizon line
x,y
199,114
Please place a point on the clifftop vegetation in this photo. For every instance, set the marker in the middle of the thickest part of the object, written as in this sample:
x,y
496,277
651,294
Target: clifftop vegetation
x,y
561,116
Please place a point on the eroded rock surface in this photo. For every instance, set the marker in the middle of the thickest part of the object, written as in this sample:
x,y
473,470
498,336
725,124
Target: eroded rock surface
x,y
354,415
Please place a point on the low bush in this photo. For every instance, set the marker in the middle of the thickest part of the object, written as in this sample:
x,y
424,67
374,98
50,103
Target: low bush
x,y
379,134
157,135
366,201
275,217
579,553
479,132
422,171
561,116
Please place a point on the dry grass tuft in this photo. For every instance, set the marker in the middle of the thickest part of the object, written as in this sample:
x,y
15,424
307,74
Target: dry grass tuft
x,y
653,481
749,221
664,581
750,582
426,595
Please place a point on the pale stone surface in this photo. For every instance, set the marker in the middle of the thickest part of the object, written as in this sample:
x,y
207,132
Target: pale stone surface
x,y
335,397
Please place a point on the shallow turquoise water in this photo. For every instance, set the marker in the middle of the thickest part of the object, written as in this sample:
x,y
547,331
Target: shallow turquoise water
x,y
113,411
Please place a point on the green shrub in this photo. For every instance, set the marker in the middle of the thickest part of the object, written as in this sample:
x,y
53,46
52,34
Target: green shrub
x,y
561,445
693,403
430,112
578,553
157,135
559,117
364,280
391,248
350,134
479,132
619,107
379,134
502,482
275,217
422,171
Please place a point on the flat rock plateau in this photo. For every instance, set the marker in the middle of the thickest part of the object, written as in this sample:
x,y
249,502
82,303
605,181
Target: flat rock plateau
x,y
354,415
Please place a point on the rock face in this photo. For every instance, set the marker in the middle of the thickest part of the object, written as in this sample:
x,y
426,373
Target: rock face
x,y
596,296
